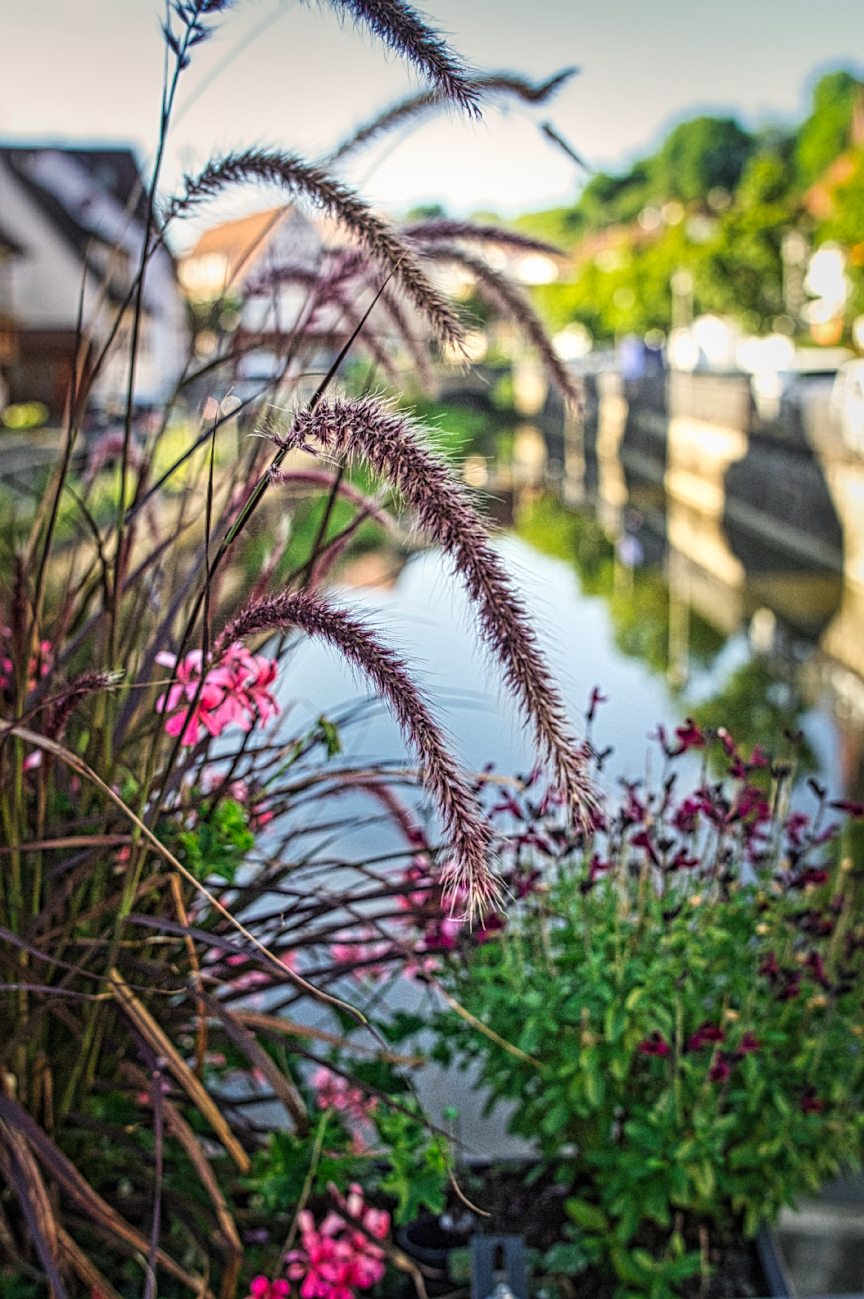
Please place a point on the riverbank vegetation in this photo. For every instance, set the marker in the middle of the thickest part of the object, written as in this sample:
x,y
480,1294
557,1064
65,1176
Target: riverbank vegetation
x,y
717,201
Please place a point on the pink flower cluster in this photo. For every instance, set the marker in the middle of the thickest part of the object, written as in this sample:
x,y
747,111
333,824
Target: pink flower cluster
x,y
236,689
335,1092
45,659
261,1288
338,1258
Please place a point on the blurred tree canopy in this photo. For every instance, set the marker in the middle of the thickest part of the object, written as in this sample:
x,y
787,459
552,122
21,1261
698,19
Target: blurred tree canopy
x,y
717,200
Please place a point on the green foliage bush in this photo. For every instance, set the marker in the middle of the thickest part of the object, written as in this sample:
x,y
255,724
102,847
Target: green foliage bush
x,y
674,1015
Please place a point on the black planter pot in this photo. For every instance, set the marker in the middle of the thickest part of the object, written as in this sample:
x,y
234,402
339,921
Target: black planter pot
x,y
426,1242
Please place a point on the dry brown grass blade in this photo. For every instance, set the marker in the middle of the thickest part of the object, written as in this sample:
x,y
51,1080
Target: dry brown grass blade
x,y
194,1089
257,1056
80,1264
288,1028
22,1174
183,919
180,1129
71,841
78,764
100,1216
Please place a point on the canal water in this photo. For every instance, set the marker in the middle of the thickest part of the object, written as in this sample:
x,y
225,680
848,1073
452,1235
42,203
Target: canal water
x,y
605,619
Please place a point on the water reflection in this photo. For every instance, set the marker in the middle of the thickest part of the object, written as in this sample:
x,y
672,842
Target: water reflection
x,y
756,528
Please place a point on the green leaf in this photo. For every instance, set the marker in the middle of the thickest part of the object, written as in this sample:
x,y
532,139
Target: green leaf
x,y
590,1217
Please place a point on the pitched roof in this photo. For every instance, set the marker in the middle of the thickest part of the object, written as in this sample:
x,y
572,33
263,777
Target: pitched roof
x,y
114,172
8,244
241,242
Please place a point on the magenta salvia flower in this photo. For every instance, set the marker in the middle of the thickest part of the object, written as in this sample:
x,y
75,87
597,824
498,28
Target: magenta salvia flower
x,y
686,816
396,449
689,737
855,810
748,1044
706,1035
654,1044
719,1070
469,832
643,840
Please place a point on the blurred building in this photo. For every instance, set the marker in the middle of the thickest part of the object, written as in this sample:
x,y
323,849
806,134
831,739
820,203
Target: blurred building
x,y
71,229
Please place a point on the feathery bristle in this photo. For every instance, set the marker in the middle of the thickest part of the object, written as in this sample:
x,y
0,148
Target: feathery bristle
x,y
491,86
441,229
396,449
402,30
378,238
505,295
468,832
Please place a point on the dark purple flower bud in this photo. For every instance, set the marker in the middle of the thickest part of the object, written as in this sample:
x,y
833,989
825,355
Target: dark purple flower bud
x,y
490,927
815,964
795,825
596,698
719,1070
855,810
683,861
706,1035
810,876
810,1103
524,885
769,967
643,840
597,867
689,737
748,1044
633,812
654,1045
726,740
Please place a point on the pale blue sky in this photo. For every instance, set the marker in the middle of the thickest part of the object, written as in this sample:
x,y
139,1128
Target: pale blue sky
x,y
89,70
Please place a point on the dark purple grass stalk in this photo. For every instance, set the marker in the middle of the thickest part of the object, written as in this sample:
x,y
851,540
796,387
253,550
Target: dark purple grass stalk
x,y
467,830
351,271
374,234
397,449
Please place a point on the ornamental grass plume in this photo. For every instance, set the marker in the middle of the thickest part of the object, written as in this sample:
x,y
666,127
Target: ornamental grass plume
x,y
491,86
504,295
442,229
152,937
469,834
401,28
398,450
376,236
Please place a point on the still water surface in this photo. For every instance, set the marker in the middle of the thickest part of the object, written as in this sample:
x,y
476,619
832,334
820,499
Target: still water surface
x,y
426,615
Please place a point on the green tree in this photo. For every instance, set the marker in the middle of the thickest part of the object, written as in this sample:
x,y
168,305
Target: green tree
x,y
741,274
825,134
700,155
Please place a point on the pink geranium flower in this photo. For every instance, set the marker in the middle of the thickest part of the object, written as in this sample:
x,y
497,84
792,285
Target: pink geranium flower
x,y
236,690
261,1288
338,1258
